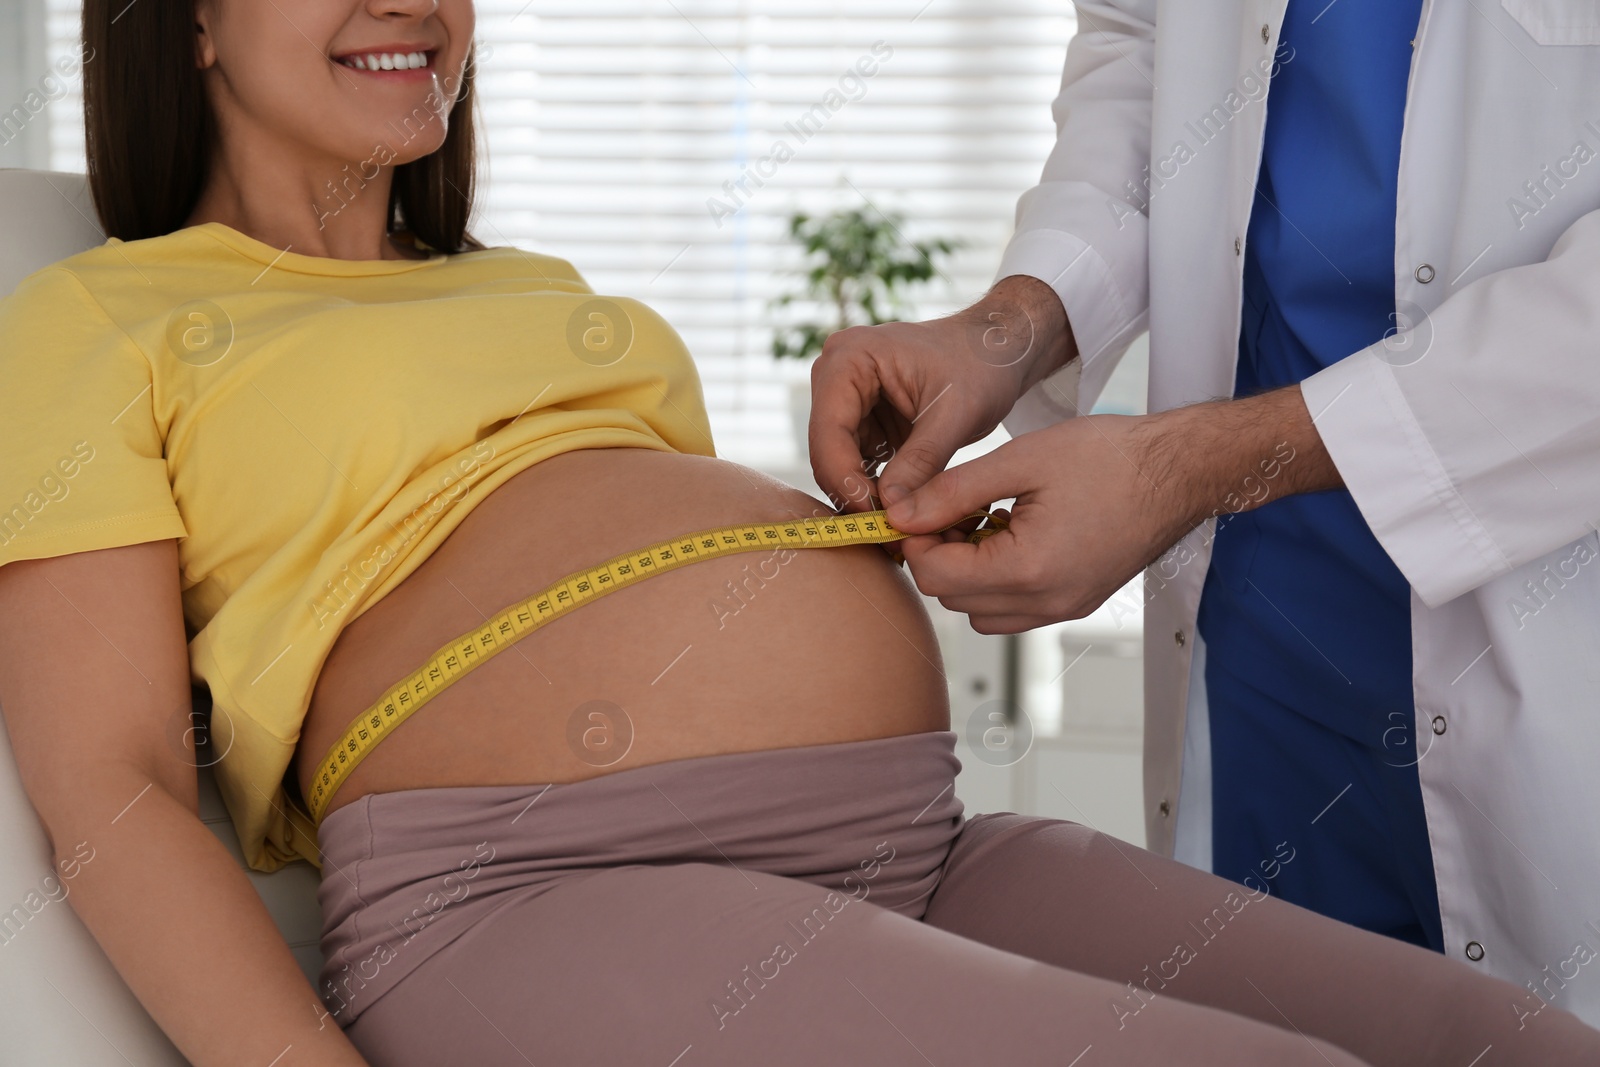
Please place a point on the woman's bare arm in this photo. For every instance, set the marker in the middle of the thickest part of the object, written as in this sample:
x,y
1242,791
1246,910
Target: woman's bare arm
x,y
94,685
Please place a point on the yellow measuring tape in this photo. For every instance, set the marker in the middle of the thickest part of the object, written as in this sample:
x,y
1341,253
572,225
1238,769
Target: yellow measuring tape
x,y
499,633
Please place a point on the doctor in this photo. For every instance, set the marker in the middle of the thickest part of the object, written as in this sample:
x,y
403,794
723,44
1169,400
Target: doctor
x,y
1371,577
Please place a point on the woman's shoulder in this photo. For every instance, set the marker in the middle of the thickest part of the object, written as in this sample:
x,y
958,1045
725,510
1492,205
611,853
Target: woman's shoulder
x,y
106,290
114,264
62,288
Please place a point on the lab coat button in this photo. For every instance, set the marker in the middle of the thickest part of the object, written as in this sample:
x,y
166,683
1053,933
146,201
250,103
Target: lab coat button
x,y
1238,245
1474,951
1424,273
1438,724
1265,33
1165,808
1179,638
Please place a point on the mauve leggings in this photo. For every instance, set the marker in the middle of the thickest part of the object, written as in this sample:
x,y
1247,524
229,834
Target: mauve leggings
x,y
830,904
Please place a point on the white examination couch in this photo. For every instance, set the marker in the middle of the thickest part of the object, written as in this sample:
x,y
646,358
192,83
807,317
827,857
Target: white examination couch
x,y
61,1001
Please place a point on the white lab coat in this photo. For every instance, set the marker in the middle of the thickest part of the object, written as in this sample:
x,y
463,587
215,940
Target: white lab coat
x,y
1470,442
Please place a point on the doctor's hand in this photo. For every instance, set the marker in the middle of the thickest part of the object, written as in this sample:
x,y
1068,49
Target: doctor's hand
x,y
908,395
1098,499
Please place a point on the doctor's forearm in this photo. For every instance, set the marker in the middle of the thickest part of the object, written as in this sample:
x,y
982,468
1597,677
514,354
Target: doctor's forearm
x,y
1022,310
1226,456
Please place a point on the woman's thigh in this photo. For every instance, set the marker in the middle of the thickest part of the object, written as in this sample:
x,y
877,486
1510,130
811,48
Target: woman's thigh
x,y
1157,931
693,965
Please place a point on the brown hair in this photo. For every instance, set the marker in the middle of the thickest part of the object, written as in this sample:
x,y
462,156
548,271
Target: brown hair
x,y
149,132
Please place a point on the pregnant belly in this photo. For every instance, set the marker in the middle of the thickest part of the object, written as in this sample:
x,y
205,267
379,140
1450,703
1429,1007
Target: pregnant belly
x,y
756,651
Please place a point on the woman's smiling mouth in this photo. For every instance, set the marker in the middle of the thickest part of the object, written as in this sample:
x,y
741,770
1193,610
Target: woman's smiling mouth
x,y
395,61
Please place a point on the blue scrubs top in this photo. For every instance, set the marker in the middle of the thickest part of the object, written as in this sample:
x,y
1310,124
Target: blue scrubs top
x,y
1306,619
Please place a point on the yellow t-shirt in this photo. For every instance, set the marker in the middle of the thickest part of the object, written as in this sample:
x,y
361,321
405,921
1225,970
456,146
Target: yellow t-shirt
x,y
312,429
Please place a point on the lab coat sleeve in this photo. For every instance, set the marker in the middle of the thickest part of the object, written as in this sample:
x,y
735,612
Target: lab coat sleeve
x,y
1082,229
1474,447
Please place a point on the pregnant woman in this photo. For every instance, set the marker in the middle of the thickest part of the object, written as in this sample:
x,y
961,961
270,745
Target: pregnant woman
x,y
291,431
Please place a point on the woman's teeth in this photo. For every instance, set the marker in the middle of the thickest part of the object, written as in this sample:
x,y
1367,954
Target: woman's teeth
x,y
387,61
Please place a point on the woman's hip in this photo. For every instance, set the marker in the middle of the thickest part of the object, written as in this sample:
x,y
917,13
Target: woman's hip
x,y
406,873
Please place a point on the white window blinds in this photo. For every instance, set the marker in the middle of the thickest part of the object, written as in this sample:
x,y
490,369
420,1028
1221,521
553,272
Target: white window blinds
x,y
661,145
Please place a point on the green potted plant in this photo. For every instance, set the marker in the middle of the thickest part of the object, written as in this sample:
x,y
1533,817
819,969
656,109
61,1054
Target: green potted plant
x,y
857,264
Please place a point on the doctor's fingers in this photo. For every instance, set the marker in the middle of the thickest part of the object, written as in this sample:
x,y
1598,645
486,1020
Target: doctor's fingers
x,y
943,424
881,435
928,396
855,422
1042,607
878,436
1007,624
954,568
996,579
